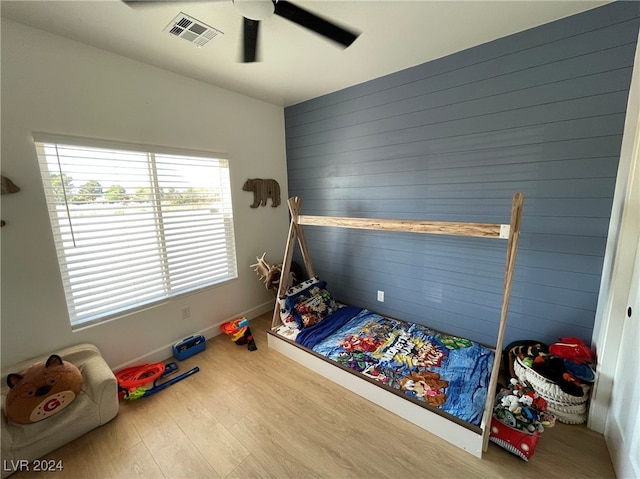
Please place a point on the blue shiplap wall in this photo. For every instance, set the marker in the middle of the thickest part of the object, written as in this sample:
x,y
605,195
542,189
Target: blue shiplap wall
x,y
539,112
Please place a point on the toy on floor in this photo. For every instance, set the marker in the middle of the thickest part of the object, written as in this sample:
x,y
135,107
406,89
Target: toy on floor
x,y
132,381
240,332
187,347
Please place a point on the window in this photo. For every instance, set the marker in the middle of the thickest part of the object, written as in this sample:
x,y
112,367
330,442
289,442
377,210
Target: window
x,y
135,225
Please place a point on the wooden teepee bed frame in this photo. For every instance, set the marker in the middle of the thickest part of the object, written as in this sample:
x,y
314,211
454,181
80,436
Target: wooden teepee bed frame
x,y
470,438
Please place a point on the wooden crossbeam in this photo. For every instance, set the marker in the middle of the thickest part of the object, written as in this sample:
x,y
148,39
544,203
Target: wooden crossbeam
x,y
487,230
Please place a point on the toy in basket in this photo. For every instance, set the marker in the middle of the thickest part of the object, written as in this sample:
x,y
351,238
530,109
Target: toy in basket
x,y
519,417
561,374
567,408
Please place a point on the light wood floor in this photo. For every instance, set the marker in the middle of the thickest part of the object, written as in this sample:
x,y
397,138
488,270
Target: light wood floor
x,y
259,414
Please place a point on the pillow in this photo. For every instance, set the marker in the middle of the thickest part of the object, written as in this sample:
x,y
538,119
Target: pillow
x,y
311,305
286,315
293,290
42,390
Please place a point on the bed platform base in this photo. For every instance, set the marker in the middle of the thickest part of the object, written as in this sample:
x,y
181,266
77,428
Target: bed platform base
x,y
469,438
456,434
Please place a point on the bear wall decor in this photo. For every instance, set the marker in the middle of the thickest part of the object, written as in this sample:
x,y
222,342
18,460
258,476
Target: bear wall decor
x,y
263,189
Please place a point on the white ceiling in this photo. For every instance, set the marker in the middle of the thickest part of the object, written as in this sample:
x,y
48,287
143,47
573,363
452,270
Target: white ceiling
x,y
296,64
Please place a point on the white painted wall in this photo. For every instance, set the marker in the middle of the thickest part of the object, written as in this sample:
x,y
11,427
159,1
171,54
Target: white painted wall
x,y
51,84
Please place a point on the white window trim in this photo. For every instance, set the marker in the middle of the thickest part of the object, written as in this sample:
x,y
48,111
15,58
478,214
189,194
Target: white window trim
x,y
49,138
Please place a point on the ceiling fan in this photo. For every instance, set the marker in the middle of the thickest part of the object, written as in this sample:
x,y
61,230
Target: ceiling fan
x,y
254,11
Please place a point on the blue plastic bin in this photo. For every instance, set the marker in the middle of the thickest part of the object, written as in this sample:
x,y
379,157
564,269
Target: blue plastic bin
x,y
187,347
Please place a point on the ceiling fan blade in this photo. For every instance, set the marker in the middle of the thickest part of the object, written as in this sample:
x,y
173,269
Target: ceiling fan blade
x,y
250,40
315,23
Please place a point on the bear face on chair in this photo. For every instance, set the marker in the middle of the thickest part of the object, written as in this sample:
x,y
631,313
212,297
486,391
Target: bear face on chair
x,y
42,390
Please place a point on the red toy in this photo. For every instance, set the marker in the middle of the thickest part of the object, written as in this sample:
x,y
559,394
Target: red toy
x,y
517,442
240,333
132,381
573,349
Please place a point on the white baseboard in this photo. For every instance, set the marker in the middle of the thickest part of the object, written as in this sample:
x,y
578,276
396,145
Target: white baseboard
x,y
166,351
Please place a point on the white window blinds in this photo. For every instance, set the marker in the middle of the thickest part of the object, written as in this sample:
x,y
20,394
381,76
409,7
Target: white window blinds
x,y
135,225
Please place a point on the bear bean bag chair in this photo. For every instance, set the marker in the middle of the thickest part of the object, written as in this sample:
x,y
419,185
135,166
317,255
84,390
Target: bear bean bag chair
x,y
39,415
42,390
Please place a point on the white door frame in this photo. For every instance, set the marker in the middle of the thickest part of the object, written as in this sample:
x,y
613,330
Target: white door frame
x,y
624,230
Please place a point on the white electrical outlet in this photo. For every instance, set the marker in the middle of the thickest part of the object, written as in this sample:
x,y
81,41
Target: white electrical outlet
x,y
186,312
381,296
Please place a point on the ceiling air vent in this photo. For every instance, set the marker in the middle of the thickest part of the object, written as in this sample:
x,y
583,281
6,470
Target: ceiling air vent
x,y
192,30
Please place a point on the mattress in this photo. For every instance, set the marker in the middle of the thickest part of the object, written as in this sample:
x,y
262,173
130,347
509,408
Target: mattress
x,y
440,371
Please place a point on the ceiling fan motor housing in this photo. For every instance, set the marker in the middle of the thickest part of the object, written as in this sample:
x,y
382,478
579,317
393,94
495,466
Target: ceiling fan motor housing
x,y
255,9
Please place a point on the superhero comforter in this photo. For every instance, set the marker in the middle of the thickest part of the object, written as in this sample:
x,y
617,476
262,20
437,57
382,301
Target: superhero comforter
x,y
446,372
